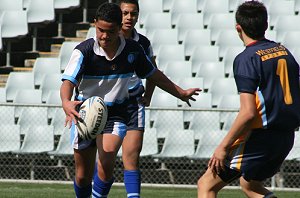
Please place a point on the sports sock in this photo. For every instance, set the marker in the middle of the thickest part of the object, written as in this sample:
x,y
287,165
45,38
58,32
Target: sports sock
x,y
132,181
82,192
101,188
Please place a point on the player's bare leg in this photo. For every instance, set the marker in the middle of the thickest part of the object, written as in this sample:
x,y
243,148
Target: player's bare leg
x,y
84,163
209,185
108,146
131,148
255,189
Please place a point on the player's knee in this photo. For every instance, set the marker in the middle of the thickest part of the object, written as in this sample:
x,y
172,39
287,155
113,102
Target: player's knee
x,y
201,185
82,180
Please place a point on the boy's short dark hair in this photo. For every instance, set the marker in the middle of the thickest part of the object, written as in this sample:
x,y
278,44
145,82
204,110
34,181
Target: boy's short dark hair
x,y
135,2
109,12
252,16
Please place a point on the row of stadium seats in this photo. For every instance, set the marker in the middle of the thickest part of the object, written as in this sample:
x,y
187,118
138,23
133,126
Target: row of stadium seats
x,y
156,117
176,145
20,17
20,88
208,7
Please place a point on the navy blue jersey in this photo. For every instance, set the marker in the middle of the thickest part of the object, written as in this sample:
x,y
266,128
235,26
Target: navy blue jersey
x,y
94,74
270,71
135,84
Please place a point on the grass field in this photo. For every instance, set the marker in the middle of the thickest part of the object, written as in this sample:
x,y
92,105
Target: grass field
x,y
29,190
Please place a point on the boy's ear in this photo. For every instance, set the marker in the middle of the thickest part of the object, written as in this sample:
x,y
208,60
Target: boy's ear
x,y
238,28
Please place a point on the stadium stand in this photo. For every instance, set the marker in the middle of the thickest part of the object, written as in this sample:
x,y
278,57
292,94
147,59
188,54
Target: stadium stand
x,y
186,22
179,7
149,6
39,12
164,37
194,38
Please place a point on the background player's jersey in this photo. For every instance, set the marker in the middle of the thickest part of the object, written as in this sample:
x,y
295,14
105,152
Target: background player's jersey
x,y
269,71
94,74
135,83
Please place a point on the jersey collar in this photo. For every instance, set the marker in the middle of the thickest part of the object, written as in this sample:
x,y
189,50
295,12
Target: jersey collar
x,y
99,50
135,35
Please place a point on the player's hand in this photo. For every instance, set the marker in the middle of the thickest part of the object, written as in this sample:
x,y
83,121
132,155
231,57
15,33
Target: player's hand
x,y
189,93
145,101
70,111
216,162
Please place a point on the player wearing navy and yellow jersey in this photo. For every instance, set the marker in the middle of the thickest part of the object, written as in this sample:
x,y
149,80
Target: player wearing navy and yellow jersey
x,y
133,141
103,66
267,78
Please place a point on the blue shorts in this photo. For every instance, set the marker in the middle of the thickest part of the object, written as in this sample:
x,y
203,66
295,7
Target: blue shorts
x,y
121,118
259,157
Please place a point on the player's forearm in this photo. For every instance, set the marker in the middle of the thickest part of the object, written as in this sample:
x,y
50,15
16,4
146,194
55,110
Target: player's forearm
x,y
149,89
66,91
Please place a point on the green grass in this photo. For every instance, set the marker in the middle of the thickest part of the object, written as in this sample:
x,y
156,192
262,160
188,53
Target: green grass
x,y
29,190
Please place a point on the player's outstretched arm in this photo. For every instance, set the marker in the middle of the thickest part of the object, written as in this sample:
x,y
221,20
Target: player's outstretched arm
x,y
66,92
167,85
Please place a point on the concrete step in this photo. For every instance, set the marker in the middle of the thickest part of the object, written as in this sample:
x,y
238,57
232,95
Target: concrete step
x,y
74,39
29,62
55,48
81,33
48,54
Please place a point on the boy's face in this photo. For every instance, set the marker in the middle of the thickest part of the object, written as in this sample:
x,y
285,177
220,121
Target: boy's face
x,y
130,15
107,33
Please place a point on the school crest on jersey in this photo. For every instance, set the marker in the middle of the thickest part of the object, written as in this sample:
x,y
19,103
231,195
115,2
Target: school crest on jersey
x,y
131,58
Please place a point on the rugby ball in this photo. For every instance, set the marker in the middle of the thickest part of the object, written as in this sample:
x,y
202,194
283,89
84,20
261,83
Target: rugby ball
x,y
93,117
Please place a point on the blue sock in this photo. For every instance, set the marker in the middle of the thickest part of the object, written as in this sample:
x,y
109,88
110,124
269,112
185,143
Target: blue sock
x,y
132,181
82,192
101,188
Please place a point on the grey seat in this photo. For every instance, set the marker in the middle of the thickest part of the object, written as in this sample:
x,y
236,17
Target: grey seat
x,y
38,139
27,96
178,143
193,38
39,12
207,144
150,144
179,7
10,137
186,22
13,26
149,6
156,20
210,71
163,37
62,6
16,81
64,146
169,53
220,87
32,116
43,66
202,54
50,82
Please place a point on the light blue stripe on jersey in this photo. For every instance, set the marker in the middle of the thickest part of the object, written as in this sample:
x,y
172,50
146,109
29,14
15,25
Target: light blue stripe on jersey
x,y
115,76
70,78
263,109
78,65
